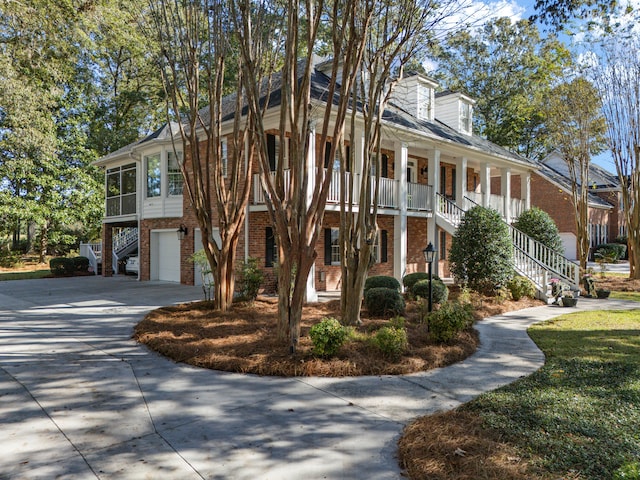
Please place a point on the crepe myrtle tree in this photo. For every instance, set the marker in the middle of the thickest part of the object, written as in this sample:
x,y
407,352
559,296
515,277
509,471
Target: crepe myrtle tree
x,y
481,253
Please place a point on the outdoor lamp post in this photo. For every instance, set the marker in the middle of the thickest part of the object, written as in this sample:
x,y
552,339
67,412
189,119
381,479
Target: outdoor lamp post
x,y
429,253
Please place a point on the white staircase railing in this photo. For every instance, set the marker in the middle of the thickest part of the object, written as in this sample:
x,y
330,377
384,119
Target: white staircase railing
x,y
93,251
125,238
532,259
449,210
557,264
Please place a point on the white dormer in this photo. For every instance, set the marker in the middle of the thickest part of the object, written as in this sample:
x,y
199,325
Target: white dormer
x,y
415,94
455,110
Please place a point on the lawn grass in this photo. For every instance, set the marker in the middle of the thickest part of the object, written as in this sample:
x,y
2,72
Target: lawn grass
x,y
24,275
579,415
633,296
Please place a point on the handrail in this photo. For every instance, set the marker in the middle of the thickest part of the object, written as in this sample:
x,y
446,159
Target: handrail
x,y
552,262
449,209
92,251
124,238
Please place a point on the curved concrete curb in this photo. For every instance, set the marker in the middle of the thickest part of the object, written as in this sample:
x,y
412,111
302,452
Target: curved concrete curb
x,y
79,399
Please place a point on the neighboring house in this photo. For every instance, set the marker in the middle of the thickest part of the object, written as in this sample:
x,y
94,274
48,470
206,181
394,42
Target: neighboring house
x,y
431,172
551,192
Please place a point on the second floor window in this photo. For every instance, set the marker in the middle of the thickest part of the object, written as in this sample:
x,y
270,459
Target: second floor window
x,y
153,174
465,117
121,190
174,175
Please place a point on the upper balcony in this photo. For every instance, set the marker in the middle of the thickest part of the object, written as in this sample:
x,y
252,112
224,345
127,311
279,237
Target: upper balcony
x,y
418,196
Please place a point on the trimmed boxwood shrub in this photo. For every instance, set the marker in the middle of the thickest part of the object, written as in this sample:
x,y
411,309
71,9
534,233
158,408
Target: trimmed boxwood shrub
x,y
411,279
328,336
521,287
440,291
382,301
80,264
379,281
391,341
61,266
481,252
452,318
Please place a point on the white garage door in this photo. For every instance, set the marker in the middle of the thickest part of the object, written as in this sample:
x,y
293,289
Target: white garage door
x,y
168,257
569,242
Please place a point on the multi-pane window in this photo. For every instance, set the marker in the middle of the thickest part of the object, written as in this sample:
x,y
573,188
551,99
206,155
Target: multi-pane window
x,y
121,190
174,175
465,117
380,247
424,103
153,174
335,246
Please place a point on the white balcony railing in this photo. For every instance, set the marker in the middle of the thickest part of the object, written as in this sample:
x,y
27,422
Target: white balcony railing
x,y
418,195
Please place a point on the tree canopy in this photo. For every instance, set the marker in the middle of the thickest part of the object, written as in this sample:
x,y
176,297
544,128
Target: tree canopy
x,y
508,68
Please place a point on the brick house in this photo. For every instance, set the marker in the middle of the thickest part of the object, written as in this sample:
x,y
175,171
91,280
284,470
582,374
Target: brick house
x,y
551,192
433,168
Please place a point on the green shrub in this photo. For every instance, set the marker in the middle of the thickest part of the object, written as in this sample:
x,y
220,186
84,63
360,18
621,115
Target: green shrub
x,y
382,301
61,266
452,317
614,251
628,471
250,278
540,226
392,341
521,287
328,336
9,258
481,252
411,279
439,291
380,281
80,264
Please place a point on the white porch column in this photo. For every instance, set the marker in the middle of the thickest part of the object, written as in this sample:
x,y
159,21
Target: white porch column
x,y
311,293
400,221
525,189
433,179
461,181
505,184
485,183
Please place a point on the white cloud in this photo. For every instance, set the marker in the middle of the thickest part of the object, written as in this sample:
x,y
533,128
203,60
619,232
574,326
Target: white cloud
x,y
473,14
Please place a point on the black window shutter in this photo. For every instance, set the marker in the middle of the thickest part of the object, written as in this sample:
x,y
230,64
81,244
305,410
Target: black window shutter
x,y
327,154
327,246
269,247
383,246
384,171
348,159
271,151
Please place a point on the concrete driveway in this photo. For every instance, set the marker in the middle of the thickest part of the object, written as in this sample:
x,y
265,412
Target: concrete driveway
x,y
80,400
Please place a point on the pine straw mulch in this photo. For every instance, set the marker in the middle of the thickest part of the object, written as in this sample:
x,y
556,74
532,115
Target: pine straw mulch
x,y
244,340
448,446
455,446
617,283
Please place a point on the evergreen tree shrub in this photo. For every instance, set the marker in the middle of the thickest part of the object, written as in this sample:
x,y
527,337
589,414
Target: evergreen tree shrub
x,y
540,226
391,341
481,251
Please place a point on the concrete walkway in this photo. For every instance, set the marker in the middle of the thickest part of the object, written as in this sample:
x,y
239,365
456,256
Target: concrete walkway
x,y
80,400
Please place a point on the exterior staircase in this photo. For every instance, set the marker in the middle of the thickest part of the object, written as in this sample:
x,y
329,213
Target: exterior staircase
x,y
531,258
125,242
